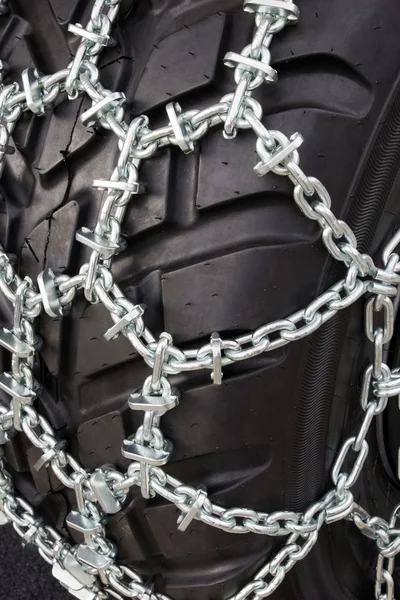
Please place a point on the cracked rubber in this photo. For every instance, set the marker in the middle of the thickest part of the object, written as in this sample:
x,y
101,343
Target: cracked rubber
x,y
212,247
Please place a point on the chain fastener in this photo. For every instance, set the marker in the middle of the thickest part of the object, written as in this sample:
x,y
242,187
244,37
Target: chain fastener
x,y
48,290
20,395
31,81
15,345
83,524
95,560
156,455
198,501
100,244
270,160
97,38
150,455
180,127
74,578
154,403
133,187
103,494
244,63
277,8
48,456
130,317
216,343
110,102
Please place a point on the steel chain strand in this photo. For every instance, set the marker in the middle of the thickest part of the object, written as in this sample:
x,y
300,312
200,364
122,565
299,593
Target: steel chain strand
x,y
96,553
41,92
95,542
312,317
54,289
51,444
93,38
384,584
53,548
107,228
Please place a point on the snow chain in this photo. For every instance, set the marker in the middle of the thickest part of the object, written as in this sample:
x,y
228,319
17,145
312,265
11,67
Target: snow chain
x,y
91,570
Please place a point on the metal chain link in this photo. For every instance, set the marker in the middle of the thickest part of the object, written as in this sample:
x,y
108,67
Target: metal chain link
x,y
90,570
384,588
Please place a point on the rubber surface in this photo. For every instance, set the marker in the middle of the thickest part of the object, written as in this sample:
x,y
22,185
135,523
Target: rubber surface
x,y
213,247
23,574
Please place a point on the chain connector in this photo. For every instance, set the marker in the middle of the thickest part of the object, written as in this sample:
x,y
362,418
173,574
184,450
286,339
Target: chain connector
x,y
159,404
276,8
180,127
109,103
48,456
107,500
80,31
31,81
155,452
133,187
259,69
341,510
198,501
20,395
83,524
15,345
128,319
286,151
216,345
50,296
75,578
95,561
100,244
137,451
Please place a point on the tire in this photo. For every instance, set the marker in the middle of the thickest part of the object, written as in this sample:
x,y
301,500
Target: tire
x,y
212,247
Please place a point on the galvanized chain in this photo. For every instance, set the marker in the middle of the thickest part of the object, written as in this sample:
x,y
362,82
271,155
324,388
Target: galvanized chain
x,y
90,570
148,446
384,588
94,37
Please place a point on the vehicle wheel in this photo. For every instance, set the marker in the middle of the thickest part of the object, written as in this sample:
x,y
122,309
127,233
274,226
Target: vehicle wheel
x,y
212,247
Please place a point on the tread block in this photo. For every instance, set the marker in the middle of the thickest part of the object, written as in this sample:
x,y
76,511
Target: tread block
x,y
241,465
50,243
162,521
40,478
47,43
65,134
207,296
95,353
131,535
207,416
99,441
149,210
64,11
321,80
226,171
20,56
181,63
12,29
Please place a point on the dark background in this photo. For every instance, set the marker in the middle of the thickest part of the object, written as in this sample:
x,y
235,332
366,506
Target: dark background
x,y
23,573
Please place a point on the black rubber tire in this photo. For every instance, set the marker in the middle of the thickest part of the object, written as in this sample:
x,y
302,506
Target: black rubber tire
x,y
213,247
